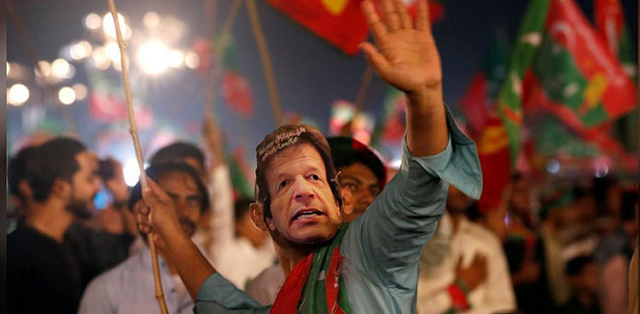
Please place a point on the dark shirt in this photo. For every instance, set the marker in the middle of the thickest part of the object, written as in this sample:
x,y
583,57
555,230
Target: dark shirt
x,y
42,274
95,251
574,306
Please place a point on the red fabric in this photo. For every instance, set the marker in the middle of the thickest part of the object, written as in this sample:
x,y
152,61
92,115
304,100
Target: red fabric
x,y
568,26
609,21
474,103
236,93
458,298
340,22
290,293
331,283
493,152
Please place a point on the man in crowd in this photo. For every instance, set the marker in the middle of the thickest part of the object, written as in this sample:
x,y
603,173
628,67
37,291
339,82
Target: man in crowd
x,y
584,278
369,265
129,287
62,179
362,172
463,268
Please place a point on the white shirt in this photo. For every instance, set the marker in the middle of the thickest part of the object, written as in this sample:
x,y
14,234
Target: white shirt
x,y
234,257
494,295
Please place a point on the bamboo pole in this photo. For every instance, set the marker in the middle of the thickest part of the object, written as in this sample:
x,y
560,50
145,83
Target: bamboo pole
x,y
361,96
133,129
266,61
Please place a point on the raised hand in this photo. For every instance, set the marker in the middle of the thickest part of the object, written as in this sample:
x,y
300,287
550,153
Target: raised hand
x,y
405,55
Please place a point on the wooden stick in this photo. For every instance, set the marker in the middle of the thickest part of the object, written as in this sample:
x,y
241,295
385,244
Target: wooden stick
x,y
133,129
362,90
266,60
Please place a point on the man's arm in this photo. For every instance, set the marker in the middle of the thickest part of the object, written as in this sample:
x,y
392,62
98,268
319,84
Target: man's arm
x,y
406,57
211,292
385,243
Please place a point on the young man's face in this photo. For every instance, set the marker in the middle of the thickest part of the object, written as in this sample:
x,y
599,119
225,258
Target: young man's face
x,y
303,208
363,184
187,200
85,183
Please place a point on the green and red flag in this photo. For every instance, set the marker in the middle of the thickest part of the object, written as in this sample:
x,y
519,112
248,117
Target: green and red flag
x,y
242,188
509,102
575,76
389,129
340,22
479,98
610,23
485,126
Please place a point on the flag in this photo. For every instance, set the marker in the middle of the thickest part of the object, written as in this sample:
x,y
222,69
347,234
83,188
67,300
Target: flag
x,y
509,102
493,153
390,128
575,75
340,22
485,125
480,95
610,24
238,174
236,92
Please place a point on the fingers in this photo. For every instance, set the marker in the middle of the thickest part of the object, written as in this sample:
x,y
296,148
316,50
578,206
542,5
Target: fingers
x,y
377,60
422,21
405,19
378,29
390,15
154,195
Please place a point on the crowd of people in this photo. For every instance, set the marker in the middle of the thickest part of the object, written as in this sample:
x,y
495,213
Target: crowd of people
x,y
330,230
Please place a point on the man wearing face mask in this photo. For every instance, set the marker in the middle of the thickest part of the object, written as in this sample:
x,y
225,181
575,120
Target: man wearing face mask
x,y
363,173
129,287
371,264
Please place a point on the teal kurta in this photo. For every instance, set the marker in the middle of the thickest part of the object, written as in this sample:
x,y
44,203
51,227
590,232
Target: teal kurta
x,y
382,247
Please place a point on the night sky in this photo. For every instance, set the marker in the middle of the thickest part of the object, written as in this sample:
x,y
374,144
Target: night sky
x,y
309,72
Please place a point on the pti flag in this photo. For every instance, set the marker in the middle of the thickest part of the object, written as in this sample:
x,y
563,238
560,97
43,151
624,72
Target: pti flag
x,y
340,22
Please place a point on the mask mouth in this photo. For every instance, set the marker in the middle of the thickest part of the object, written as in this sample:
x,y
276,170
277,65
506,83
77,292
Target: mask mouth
x,y
306,213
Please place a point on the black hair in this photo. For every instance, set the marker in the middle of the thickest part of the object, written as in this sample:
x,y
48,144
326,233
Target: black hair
x,y
157,171
107,169
241,206
176,151
577,264
17,170
52,160
346,151
627,209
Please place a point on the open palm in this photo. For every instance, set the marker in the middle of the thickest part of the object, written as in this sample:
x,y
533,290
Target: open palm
x,y
405,55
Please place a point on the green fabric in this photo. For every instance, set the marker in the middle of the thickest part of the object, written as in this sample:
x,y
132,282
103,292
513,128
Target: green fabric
x,y
314,295
510,96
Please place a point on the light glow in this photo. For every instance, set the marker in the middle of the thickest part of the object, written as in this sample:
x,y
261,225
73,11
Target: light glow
x,y
80,50
151,20
153,57
61,69
109,27
92,21
66,95
191,60
131,172
80,91
17,95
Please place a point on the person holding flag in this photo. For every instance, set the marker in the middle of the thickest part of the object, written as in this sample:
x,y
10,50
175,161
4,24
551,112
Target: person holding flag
x,y
371,264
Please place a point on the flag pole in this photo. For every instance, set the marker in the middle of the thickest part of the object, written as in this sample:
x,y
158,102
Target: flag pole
x,y
266,60
133,129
